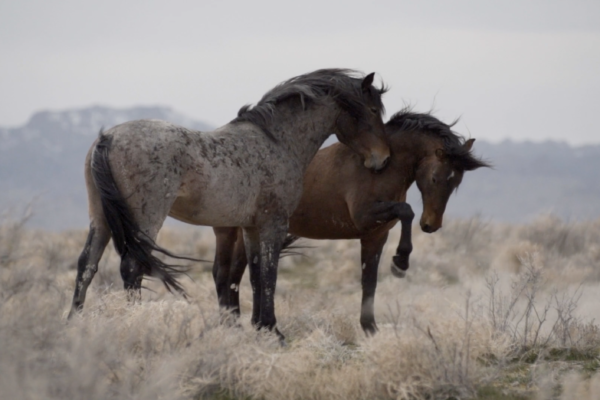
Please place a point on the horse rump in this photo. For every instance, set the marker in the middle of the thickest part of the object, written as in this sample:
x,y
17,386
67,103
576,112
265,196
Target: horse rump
x,y
129,240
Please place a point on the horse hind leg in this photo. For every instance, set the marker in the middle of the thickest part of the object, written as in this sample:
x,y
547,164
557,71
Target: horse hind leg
x,y
252,245
371,247
236,273
136,264
87,265
226,238
132,275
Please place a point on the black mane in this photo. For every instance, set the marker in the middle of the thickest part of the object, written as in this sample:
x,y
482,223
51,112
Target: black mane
x,y
342,84
406,120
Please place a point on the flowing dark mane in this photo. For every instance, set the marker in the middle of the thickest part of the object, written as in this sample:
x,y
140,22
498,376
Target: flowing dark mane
x,y
406,120
344,85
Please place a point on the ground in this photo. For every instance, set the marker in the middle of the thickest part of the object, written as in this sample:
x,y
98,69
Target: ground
x,y
487,311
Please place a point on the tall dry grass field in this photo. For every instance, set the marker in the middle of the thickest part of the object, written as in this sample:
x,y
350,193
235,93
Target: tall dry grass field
x,y
487,311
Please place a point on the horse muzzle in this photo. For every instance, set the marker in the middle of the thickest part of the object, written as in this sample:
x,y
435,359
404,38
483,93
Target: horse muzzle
x,y
377,161
430,226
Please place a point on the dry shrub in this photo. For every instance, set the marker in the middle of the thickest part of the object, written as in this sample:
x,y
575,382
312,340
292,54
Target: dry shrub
x,y
11,234
445,332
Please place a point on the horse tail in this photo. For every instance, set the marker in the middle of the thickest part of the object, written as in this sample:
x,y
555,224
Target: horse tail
x,y
127,236
287,249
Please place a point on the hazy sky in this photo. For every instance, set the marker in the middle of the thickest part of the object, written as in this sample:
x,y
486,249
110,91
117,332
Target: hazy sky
x,y
512,69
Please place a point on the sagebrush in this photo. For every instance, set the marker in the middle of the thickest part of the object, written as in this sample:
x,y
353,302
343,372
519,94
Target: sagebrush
x,y
487,311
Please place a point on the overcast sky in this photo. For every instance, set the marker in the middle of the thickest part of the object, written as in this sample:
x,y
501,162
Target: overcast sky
x,y
516,69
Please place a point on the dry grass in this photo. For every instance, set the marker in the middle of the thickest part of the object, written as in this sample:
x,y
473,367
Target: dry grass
x,y
487,311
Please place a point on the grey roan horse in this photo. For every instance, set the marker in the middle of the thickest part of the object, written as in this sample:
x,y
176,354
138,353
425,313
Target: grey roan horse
x,y
247,173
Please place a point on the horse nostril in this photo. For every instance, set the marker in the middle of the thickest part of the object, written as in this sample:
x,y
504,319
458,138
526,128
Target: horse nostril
x,y
383,164
426,228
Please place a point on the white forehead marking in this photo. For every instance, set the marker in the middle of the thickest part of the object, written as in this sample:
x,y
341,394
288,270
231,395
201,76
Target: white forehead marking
x,y
451,175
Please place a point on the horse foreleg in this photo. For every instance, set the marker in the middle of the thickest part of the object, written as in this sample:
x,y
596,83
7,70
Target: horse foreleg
x,y
272,236
368,218
226,238
400,260
87,265
371,247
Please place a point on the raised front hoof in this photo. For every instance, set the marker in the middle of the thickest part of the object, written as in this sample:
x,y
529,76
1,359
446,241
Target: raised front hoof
x,y
399,266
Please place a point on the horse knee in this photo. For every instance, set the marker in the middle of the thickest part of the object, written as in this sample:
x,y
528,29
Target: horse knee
x,y
405,211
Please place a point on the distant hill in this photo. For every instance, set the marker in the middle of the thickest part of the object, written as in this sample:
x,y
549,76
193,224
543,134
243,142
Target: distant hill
x,y
44,160
529,179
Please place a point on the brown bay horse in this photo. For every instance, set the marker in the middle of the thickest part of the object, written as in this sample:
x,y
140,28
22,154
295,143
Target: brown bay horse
x,y
247,174
344,200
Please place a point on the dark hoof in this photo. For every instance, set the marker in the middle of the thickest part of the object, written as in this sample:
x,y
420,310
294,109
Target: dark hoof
x,y
229,318
399,266
274,330
370,329
75,310
282,341
401,261
397,272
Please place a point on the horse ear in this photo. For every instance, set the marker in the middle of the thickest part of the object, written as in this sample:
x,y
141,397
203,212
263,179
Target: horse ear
x,y
440,154
469,144
368,81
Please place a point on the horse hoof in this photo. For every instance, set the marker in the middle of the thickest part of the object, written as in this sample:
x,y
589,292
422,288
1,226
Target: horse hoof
x,y
281,338
397,272
401,261
229,319
399,265
370,329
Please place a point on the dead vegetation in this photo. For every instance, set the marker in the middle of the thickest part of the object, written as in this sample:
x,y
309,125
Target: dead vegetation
x,y
487,311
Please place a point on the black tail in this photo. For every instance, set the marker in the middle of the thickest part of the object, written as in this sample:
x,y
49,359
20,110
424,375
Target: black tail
x,y
126,234
288,250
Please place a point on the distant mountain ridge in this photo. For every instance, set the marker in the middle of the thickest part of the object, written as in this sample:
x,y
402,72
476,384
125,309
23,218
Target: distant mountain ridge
x,y
44,159
528,179
48,126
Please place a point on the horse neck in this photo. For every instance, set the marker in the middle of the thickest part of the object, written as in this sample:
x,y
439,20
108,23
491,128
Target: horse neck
x,y
302,132
410,148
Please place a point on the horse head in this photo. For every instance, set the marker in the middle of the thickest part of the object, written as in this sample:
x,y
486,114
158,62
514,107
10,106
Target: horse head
x,y
438,175
360,127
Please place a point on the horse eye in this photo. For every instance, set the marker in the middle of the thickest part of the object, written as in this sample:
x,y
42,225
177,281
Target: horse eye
x,y
433,179
374,110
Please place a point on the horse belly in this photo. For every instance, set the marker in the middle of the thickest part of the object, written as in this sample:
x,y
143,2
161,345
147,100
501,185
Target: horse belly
x,y
217,200
316,223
